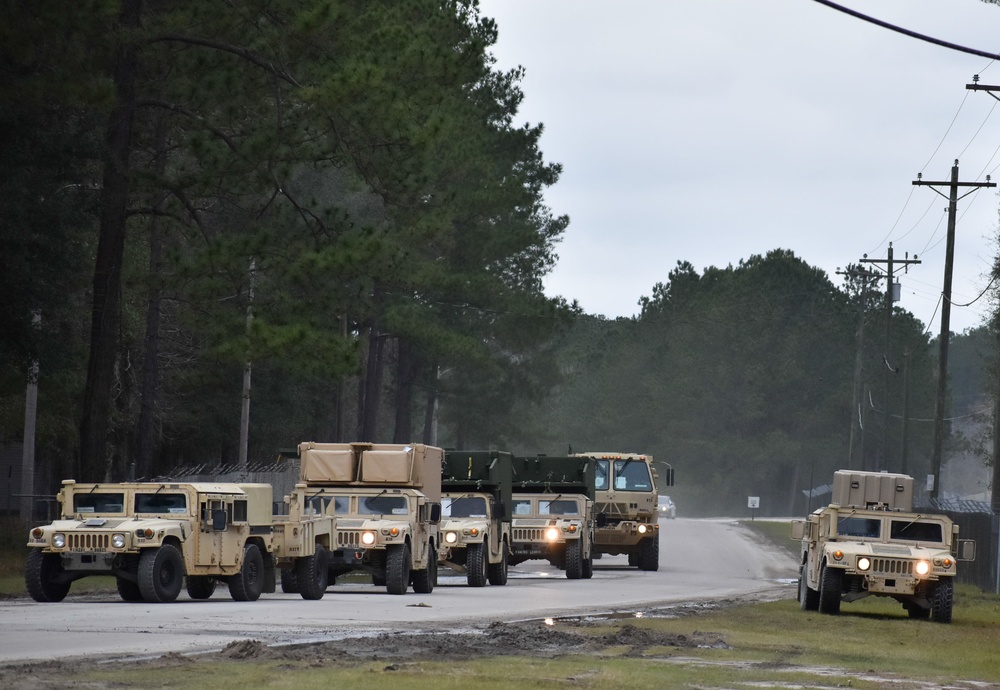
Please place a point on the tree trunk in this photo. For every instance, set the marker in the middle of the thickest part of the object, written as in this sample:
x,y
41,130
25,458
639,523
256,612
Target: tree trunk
x,y
106,316
404,392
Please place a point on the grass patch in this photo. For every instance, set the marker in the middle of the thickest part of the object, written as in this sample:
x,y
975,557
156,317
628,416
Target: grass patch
x,y
776,532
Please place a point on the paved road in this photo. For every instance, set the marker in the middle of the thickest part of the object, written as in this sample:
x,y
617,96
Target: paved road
x,y
699,560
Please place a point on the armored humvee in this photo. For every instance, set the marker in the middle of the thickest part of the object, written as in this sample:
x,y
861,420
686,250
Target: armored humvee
x,y
626,498
151,535
386,499
552,514
869,542
475,527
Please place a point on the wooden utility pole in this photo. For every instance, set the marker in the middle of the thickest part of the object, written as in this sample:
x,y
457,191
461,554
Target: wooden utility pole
x,y
858,423
949,261
890,297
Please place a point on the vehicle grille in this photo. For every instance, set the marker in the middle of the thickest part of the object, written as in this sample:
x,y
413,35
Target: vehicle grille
x,y
349,538
892,566
101,540
611,536
528,534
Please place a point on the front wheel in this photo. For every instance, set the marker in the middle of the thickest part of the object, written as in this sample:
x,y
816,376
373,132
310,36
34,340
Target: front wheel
x,y
649,554
588,566
43,577
248,584
574,560
475,565
161,574
289,583
942,601
397,569
808,597
830,585
423,581
128,590
312,574
497,572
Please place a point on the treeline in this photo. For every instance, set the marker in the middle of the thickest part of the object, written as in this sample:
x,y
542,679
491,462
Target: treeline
x,y
333,197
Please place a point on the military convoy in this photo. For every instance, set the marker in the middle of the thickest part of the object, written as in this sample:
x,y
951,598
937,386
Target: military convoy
x,y
475,526
626,497
869,542
357,507
150,536
553,513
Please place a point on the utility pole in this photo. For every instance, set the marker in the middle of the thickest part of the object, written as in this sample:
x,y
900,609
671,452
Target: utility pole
x,y
865,277
891,295
949,261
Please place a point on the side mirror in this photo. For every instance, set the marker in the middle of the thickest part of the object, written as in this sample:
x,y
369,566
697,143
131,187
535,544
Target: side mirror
x,y
219,521
966,550
435,513
798,529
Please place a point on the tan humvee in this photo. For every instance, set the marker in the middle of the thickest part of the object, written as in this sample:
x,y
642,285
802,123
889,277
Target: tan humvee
x,y
151,535
555,527
627,498
868,542
386,499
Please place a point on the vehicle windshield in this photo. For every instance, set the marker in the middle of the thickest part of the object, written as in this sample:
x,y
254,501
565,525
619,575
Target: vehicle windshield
x,y
161,503
601,475
382,505
558,507
912,530
320,505
859,527
632,475
99,503
466,506
522,507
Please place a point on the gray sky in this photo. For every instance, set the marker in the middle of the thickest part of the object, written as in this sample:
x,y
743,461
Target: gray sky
x,y
712,130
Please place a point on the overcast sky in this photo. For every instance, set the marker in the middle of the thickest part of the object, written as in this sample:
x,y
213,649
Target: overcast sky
x,y
712,130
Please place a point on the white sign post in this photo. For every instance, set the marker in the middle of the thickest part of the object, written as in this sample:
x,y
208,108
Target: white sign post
x,y
753,503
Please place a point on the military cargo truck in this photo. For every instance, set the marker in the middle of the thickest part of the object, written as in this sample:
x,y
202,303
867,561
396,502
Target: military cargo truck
x,y
475,526
552,514
869,542
151,536
386,499
626,500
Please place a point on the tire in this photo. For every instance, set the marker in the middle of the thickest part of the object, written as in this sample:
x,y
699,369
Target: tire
x,y
128,590
161,574
43,575
633,559
942,601
918,613
423,581
378,580
649,554
496,573
397,568
830,584
312,574
248,584
200,586
289,583
475,565
574,560
807,596
588,566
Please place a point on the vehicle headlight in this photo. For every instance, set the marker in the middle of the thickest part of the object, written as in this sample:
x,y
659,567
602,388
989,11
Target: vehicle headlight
x,y
551,534
58,540
367,538
450,537
864,563
922,568
642,529
118,541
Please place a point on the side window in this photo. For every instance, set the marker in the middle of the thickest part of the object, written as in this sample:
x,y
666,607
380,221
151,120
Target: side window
x,y
239,511
342,505
601,472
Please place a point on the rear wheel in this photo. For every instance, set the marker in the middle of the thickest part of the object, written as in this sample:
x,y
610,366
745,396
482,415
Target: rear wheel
x,y
312,574
497,572
588,566
942,601
808,597
43,577
649,554
248,584
200,586
161,574
831,582
289,583
397,569
475,565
